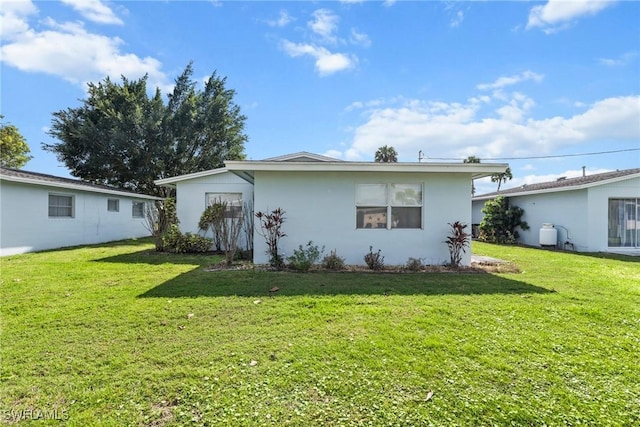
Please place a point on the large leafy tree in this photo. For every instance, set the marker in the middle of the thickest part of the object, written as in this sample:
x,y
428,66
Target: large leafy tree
x,y
123,137
14,151
386,154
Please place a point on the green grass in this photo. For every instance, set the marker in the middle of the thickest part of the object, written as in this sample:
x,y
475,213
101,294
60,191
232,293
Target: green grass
x,y
118,335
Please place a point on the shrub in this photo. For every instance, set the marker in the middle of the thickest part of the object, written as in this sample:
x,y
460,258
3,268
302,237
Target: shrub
x,y
158,218
271,230
333,261
374,260
414,264
175,241
457,241
304,258
500,221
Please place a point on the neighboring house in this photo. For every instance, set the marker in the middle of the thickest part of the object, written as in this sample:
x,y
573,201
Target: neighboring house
x,y
403,209
592,213
39,212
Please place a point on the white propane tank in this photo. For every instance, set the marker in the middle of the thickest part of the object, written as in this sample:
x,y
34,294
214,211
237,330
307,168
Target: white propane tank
x,y
548,235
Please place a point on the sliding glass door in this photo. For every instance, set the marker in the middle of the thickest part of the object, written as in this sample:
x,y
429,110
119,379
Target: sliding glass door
x,y
624,223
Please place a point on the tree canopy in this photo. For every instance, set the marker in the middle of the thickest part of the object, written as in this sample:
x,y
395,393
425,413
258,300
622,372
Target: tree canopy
x,y
386,154
13,147
123,137
502,177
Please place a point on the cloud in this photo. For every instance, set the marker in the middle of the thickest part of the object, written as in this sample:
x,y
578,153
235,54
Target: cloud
x,y
457,130
13,18
620,61
359,38
505,81
326,61
457,19
283,20
557,15
325,24
69,51
94,10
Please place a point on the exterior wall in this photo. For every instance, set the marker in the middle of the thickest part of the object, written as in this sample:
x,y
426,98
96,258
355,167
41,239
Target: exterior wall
x,y
566,210
191,197
598,211
25,225
321,207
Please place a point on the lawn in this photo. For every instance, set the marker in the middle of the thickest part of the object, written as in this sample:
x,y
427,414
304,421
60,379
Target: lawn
x,y
119,335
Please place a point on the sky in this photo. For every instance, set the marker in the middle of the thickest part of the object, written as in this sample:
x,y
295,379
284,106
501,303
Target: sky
x,y
539,85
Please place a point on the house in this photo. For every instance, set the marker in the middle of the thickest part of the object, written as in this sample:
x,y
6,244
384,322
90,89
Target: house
x,y
39,212
403,209
591,213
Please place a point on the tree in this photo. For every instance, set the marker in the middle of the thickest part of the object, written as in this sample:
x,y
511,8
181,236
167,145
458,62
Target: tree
x,y
13,147
386,154
502,177
472,159
501,220
120,136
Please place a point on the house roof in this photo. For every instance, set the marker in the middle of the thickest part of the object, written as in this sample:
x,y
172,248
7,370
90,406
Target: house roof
x,y
246,168
304,161
26,177
565,184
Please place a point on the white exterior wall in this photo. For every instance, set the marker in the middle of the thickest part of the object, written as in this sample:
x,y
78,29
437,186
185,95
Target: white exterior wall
x,y
321,207
567,210
191,199
598,211
25,225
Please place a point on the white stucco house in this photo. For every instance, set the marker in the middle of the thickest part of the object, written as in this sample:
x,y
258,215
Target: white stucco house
x,y
403,209
591,213
39,212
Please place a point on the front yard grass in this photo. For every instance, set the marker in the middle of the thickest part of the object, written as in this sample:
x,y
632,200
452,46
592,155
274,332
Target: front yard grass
x,y
119,335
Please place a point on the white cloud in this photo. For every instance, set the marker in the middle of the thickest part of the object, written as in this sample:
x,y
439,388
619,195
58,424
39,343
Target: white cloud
x,y
620,61
457,19
505,81
325,24
283,20
456,130
94,10
359,38
13,18
326,61
69,51
559,14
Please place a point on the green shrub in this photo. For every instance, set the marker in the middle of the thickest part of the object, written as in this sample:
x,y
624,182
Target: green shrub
x,y
500,221
176,242
414,264
374,260
333,261
304,258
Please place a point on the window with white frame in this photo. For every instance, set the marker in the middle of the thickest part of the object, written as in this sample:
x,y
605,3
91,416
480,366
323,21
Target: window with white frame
x,y
113,205
388,206
137,209
232,200
60,206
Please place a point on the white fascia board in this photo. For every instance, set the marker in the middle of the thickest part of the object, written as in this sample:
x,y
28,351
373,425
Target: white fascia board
x,y
78,187
477,170
166,182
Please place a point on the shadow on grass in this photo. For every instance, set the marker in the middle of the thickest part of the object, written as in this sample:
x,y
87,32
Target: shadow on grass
x,y
256,283
200,283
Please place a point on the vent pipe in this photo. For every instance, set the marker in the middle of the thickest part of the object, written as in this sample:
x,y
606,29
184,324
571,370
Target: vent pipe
x,y
584,171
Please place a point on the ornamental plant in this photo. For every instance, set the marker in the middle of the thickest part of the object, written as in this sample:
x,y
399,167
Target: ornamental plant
x,y
271,229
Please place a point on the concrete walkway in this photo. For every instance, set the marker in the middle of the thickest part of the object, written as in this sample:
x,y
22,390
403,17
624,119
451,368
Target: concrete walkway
x,y
486,260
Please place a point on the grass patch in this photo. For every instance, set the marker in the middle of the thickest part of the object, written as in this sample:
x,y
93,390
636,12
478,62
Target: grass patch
x,y
119,335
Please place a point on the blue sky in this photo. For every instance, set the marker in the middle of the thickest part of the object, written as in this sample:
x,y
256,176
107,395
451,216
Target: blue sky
x,y
342,78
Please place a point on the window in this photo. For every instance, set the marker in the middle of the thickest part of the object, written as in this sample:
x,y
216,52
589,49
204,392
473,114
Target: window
x,y
113,205
624,223
389,206
233,201
60,206
137,210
